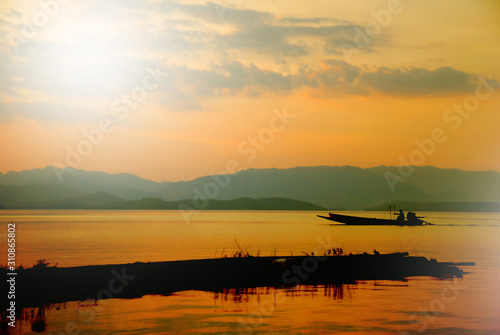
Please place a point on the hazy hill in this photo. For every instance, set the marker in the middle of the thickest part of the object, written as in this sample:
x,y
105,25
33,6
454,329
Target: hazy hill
x,y
452,184
14,194
346,187
349,187
85,201
234,204
106,201
122,185
443,206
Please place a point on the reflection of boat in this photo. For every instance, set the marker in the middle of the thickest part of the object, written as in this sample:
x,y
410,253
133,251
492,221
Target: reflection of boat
x,y
411,220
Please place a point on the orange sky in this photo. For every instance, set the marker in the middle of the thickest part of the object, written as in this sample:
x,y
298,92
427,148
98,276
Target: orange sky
x,y
174,91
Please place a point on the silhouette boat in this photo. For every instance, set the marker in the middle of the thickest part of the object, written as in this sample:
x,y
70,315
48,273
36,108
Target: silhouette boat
x,y
411,219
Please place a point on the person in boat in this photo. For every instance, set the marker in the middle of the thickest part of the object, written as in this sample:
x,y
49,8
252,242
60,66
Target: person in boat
x,y
411,216
401,215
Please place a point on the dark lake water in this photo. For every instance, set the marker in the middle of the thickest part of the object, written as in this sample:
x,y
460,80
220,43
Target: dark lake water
x,y
420,305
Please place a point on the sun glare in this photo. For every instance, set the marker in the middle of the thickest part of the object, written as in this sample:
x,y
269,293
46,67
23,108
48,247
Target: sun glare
x,y
86,54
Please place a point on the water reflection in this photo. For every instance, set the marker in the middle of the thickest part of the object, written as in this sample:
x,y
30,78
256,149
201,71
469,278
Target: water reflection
x,y
363,306
32,318
38,320
338,291
242,295
103,237
226,301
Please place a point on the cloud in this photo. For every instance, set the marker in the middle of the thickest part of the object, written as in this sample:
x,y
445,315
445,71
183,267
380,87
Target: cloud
x,y
256,31
268,39
419,81
228,78
99,50
309,20
331,77
341,76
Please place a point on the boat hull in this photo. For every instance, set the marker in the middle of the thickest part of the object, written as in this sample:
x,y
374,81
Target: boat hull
x,y
361,221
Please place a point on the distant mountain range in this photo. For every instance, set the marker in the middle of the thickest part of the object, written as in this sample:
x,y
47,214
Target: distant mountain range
x,y
314,188
443,206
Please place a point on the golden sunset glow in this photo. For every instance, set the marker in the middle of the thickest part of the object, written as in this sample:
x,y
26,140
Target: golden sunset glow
x,y
175,90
